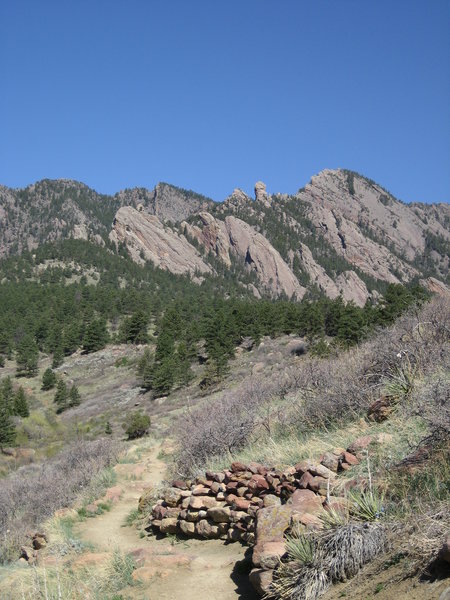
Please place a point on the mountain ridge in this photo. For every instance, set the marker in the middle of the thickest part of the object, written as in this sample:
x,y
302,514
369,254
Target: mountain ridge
x,y
340,234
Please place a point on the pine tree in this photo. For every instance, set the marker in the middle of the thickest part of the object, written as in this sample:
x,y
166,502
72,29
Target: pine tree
x,y
108,428
7,393
27,357
96,336
61,396
74,396
21,404
48,380
7,428
163,376
58,357
134,328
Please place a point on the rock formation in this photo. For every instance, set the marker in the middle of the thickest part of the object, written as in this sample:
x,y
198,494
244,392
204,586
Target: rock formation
x,y
235,237
147,238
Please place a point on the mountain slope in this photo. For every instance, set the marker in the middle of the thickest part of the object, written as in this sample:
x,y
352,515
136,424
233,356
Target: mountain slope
x,y
340,234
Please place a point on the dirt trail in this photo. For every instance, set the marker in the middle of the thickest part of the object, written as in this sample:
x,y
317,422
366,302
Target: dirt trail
x,y
197,569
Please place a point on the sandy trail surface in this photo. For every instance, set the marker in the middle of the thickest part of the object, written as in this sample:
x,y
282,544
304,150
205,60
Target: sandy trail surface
x,y
166,568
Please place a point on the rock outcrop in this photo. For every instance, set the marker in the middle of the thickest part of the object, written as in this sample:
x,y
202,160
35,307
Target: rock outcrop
x,y
146,238
236,237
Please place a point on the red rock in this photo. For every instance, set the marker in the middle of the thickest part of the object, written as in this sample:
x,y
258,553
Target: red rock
x,y
236,467
241,504
159,511
318,484
257,482
306,501
350,458
178,483
199,502
360,444
305,480
330,461
267,554
200,490
232,485
308,520
303,466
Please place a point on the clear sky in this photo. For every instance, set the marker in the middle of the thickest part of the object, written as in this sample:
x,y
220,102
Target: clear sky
x,y
212,95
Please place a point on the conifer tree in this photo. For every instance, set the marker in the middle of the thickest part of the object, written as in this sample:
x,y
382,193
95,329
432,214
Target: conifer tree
x,y
108,428
61,396
27,357
7,428
74,397
20,403
7,393
58,357
96,336
48,379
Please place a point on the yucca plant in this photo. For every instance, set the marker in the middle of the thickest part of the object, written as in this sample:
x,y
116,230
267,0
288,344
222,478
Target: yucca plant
x,y
367,505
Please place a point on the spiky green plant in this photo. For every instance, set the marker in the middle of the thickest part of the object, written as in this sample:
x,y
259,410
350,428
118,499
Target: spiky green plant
x,y
367,505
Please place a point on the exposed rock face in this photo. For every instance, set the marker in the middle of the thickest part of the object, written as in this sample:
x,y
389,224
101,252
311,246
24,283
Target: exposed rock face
x,y
339,222
165,201
352,288
234,236
435,286
212,235
261,257
362,221
261,193
148,239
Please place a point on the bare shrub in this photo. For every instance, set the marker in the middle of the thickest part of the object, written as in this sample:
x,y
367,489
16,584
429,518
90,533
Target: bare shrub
x,y
223,425
432,403
34,492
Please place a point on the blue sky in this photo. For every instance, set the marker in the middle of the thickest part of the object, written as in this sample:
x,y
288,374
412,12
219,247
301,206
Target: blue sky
x,y
213,95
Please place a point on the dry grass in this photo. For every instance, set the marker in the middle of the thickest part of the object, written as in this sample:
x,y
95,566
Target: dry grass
x,y
33,493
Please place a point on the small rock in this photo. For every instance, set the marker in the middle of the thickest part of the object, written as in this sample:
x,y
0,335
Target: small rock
x,y
261,580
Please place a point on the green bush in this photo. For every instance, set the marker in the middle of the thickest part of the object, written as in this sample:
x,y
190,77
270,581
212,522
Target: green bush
x,y
136,425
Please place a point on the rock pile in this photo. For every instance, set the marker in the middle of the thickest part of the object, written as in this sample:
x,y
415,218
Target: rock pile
x,y
225,504
256,505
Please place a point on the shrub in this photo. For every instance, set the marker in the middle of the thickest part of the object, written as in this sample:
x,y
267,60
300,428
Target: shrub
x,y
136,425
33,493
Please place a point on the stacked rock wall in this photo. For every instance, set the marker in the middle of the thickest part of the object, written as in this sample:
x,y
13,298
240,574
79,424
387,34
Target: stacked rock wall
x,y
225,504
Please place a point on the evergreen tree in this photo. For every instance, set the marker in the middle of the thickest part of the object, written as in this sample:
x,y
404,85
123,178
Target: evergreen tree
x,y
108,428
7,428
183,364
27,357
21,404
74,397
145,369
7,393
134,328
58,357
48,379
96,336
163,376
61,396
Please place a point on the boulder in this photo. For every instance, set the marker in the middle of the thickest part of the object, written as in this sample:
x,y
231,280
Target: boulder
x,y
169,525
272,522
199,502
220,514
271,500
330,461
306,501
261,580
267,554
206,529
187,527
172,496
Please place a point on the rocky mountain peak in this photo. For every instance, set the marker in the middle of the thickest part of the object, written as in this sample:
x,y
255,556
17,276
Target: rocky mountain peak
x,y
261,193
